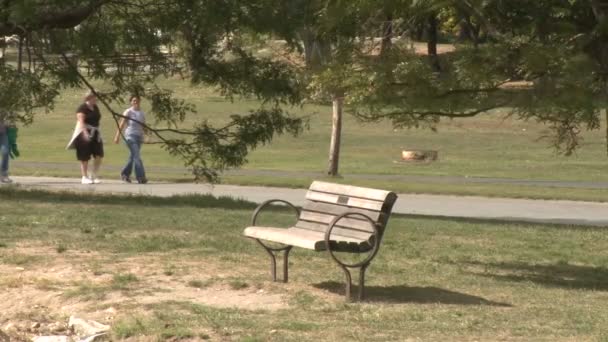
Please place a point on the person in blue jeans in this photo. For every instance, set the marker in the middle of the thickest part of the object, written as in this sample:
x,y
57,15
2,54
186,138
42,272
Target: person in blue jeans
x,y
132,123
4,150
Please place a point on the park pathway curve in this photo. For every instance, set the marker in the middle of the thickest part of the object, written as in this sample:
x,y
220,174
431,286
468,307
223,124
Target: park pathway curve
x,y
503,209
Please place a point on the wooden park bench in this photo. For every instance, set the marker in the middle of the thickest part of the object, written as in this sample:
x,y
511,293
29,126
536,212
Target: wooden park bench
x,y
335,218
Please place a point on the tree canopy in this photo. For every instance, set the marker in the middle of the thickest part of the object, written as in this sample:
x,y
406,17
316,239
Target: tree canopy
x,y
545,60
208,39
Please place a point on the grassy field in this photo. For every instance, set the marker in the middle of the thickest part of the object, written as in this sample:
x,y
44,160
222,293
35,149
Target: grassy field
x,y
179,268
488,146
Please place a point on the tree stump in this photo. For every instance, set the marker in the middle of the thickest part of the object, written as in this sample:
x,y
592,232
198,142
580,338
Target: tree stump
x,y
418,155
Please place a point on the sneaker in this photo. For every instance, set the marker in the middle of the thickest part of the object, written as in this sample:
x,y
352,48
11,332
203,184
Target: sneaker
x,y
5,179
125,178
142,181
94,179
86,180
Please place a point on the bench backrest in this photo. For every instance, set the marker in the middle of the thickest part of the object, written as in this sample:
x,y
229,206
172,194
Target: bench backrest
x,y
325,201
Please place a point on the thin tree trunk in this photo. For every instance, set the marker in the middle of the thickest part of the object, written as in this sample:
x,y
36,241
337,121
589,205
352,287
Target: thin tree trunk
x,y
432,35
308,41
600,10
387,36
336,132
20,55
2,50
31,63
432,41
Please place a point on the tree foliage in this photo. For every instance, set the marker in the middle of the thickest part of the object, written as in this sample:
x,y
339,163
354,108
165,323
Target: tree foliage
x,y
207,38
555,52
544,60
541,60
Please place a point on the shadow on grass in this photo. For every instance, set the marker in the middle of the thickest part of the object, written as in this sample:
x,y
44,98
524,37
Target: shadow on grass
x,y
411,294
557,275
194,200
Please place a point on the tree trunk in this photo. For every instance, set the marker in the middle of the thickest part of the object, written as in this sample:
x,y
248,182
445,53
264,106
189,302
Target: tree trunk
x,y
387,36
20,54
464,32
432,35
2,50
308,40
336,132
432,41
31,64
317,52
467,31
417,32
600,10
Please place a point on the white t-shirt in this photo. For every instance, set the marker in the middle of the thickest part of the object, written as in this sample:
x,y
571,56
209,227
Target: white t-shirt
x,y
134,128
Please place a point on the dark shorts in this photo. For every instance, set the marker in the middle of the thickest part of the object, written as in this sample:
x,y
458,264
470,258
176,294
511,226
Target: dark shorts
x,y
86,149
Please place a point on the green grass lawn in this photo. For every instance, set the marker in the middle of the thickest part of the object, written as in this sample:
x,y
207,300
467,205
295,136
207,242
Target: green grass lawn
x,y
165,267
487,146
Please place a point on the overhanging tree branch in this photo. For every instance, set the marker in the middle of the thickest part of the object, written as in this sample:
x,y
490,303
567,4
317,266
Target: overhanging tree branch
x,y
46,16
436,113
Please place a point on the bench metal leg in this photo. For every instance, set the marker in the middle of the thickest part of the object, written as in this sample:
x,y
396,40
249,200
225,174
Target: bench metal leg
x,y
273,260
361,265
349,282
348,285
273,266
286,264
362,282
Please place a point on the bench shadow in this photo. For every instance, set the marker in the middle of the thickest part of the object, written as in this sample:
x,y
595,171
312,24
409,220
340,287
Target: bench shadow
x,y
562,275
410,294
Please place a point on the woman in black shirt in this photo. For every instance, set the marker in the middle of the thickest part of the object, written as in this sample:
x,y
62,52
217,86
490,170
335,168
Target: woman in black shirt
x,y
88,141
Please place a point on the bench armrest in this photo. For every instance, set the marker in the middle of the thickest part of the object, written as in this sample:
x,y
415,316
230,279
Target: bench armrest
x,y
376,246
268,202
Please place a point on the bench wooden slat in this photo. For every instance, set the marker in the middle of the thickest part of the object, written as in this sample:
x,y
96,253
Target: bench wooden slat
x,y
303,238
347,222
322,228
333,209
344,200
355,191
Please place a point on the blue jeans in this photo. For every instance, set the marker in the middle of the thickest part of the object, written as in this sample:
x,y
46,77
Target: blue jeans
x,y
4,150
134,145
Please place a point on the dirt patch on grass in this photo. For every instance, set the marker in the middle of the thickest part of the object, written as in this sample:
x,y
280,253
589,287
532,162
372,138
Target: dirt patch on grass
x,y
42,288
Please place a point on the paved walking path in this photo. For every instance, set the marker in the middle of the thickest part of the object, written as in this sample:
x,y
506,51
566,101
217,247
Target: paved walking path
x,y
563,212
311,174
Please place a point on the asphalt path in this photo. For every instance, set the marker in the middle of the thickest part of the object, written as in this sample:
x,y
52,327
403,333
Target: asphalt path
x,y
503,209
310,174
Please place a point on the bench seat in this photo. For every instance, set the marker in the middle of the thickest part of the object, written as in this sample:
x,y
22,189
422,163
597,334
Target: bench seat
x,y
308,239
